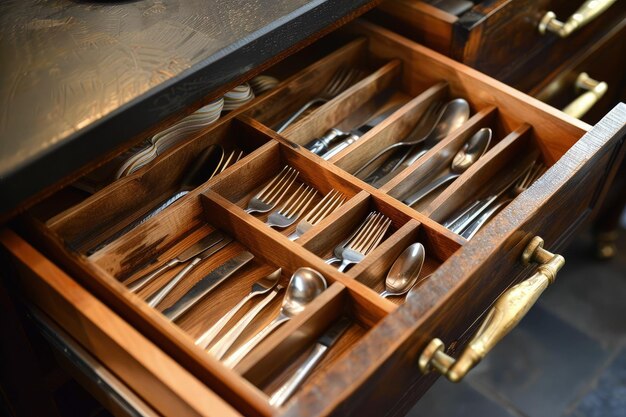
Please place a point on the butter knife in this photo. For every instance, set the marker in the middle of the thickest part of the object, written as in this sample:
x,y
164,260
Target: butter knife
x,y
191,252
325,342
207,284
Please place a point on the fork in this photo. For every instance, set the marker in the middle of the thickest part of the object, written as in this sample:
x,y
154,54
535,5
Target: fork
x,y
366,239
342,78
225,163
273,192
293,208
517,186
331,202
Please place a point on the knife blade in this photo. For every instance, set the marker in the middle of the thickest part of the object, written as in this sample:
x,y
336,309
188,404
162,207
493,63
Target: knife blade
x,y
200,246
207,284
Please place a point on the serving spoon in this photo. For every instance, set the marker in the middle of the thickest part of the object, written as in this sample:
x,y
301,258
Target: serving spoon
x,y
404,271
473,149
304,286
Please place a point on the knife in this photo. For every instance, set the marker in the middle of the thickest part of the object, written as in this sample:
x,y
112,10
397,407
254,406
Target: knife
x,y
191,252
325,342
355,134
157,297
207,284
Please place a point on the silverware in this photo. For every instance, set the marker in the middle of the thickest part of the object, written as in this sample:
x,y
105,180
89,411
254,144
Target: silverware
x,y
325,342
293,208
207,284
471,152
219,349
414,289
340,247
305,285
404,271
260,287
331,202
367,239
355,134
273,192
226,162
342,78
450,118
475,226
191,252
154,299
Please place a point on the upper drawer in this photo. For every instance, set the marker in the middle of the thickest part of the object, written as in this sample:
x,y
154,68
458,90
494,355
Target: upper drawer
x,y
501,38
372,370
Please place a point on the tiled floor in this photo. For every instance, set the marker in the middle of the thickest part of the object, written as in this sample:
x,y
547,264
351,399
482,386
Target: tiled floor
x,y
566,359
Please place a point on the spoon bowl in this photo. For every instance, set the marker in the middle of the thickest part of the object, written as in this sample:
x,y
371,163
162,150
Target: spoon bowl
x,y
405,271
304,286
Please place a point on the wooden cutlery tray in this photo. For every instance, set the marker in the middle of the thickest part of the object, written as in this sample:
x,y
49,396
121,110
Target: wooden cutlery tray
x,y
373,369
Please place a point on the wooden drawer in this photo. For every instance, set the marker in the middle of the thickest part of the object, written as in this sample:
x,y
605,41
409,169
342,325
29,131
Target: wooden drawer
x,y
373,368
500,38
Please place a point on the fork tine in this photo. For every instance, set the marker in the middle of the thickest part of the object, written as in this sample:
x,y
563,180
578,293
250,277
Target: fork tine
x,y
335,202
304,202
370,235
298,197
271,183
379,237
318,212
280,190
363,226
335,81
364,235
288,202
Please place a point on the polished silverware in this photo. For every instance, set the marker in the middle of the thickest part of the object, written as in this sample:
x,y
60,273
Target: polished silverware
x,y
219,349
154,299
340,247
273,192
323,344
207,284
343,78
475,226
471,152
367,239
293,208
450,118
260,287
191,252
305,285
404,271
224,163
412,294
331,202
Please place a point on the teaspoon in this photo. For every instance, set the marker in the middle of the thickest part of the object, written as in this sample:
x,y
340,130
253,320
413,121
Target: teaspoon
x,y
404,271
305,285
475,147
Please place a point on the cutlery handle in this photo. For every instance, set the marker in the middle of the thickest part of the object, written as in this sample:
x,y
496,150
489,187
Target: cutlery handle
x,y
450,223
293,236
298,113
220,348
340,146
144,280
247,347
302,373
332,260
344,265
471,215
207,337
387,170
417,196
157,297
320,145
473,228
411,159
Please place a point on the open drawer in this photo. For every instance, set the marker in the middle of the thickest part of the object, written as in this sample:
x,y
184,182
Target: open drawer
x,y
373,368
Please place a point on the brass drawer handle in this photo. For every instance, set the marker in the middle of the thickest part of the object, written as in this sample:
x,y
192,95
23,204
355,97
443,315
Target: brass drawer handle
x,y
585,14
594,90
509,310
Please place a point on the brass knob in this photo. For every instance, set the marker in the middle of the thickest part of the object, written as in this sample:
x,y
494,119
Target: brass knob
x,y
588,11
506,313
593,91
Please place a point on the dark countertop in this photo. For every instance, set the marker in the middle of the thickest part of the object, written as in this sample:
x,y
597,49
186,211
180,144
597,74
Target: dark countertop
x,y
80,78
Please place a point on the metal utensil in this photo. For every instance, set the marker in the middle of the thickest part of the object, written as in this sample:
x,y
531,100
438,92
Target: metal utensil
x,y
414,289
475,226
293,208
219,349
305,285
404,271
342,79
207,284
471,152
273,192
154,299
366,241
341,246
191,252
355,134
325,342
260,287
331,202
451,117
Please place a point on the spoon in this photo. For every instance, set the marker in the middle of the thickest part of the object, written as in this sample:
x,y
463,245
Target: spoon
x,y
262,286
404,271
453,114
413,291
473,149
304,286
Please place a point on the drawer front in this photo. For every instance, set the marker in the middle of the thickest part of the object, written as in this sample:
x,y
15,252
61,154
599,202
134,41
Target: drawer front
x,y
139,364
370,369
501,38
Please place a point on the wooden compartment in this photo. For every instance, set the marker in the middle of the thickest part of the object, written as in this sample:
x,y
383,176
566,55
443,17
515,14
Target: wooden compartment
x,y
383,344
